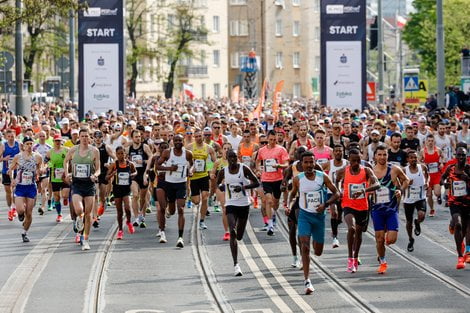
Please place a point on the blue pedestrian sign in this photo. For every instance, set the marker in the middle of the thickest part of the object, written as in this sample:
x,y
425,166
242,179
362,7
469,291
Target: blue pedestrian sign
x,y
411,83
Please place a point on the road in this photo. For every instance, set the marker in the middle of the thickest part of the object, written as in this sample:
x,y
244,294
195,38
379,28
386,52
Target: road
x,y
138,274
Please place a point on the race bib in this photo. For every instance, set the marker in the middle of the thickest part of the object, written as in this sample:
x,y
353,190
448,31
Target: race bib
x,y
180,172
269,165
395,163
382,195
27,178
322,161
415,193
123,179
233,195
199,165
246,160
312,200
433,167
82,170
58,173
353,188
459,188
137,159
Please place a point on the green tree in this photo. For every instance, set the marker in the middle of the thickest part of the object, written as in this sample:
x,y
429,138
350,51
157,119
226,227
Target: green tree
x,y
420,35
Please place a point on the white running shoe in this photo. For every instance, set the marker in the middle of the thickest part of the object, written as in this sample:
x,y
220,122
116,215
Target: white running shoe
x,y
238,271
295,262
335,243
85,245
80,224
308,287
180,242
162,237
159,234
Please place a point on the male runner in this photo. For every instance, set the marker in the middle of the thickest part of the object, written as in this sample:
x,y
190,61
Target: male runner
x,y
42,148
105,154
8,150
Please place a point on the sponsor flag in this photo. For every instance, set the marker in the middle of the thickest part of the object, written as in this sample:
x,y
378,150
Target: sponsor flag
x,y
276,99
188,91
400,21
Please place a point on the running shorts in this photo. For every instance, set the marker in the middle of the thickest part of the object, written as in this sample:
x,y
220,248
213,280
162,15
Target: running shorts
x,y
199,185
311,225
411,207
175,191
238,211
273,188
59,186
84,189
361,217
385,220
26,191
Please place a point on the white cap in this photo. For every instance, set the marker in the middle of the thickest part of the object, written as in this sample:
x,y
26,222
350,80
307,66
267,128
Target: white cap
x,y
148,128
133,123
94,117
64,121
208,129
74,131
376,132
422,119
102,114
117,126
216,115
232,120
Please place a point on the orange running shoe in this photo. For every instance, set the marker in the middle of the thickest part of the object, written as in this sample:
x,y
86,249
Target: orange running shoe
x,y
130,228
382,268
467,257
226,236
451,230
10,215
432,213
120,234
59,219
460,263
100,210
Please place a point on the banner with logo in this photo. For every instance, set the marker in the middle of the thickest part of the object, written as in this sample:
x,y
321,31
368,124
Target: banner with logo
x,y
343,53
101,57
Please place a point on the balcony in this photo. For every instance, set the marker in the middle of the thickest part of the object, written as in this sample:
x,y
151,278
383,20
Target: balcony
x,y
466,66
191,71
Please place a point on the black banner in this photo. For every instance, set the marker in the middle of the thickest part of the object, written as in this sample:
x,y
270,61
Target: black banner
x,y
343,53
101,57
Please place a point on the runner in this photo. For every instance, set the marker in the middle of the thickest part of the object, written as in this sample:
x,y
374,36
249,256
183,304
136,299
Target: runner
x,y
415,196
396,155
106,153
8,150
323,154
84,160
42,148
178,165
303,139
386,201
237,200
311,186
121,172
355,178
457,177
28,165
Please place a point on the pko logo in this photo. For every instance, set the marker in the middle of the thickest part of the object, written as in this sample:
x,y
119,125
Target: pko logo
x,y
101,96
341,9
97,12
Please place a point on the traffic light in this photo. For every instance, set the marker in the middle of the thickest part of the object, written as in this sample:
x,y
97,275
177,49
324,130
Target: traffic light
x,y
374,34
392,93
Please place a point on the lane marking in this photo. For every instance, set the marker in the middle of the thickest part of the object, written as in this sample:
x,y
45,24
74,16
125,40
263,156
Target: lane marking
x,y
15,293
293,294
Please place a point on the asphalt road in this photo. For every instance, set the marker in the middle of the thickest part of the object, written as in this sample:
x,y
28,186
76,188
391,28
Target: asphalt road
x,y
138,274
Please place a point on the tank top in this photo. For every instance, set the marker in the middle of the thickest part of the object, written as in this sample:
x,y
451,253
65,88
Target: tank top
x,y
57,164
82,166
9,151
246,153
122,178
322,156
459,191
209,163
334,169
444,144
231,182
180,175
299,144
200,156
385,199
138,154
219,139
42,149
351,184
295,171
26,170
312,193
415,191
222,163
104,156
432,161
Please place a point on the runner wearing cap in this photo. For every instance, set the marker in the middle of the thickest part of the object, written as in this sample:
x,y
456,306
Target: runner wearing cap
x,y
116,139
234,138
207,133
74,140
423,130
8,150
65,130
42,148
28,165
368,153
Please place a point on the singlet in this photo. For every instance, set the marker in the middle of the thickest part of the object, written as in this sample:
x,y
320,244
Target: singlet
x,y
397,158
219,139
116,143
180,175
312,193
385,199
222,163
334,169
104,157
200,156
351,184
322,157
57,164
42,149
231,181
209,162
445,145
122,178
138,154
422,137
26,170
247,153
9,151
415,191
66,135
299,144
82,166
459,191
432,161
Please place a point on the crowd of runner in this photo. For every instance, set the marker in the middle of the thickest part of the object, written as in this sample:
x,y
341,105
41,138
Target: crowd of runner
x,y
306,161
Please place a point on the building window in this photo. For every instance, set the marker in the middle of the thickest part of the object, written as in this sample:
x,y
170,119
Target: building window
x,y
215,24
279,60
316,5
216,91
203,57
237,2
278,28
296,29
171,21
203,91
216,58
317,63
234,59
296,60
317,33
296,91
239,28
296,3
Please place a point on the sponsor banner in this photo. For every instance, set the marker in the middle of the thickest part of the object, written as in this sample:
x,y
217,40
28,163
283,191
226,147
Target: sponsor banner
x,y
343,53
419,96
371,91
101,57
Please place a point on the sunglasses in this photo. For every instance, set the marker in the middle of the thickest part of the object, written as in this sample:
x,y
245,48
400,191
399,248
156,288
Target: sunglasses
x,y
263,142
216,127
207,135
188,133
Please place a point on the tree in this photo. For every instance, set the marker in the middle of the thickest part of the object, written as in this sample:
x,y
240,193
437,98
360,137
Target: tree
x,y
420,35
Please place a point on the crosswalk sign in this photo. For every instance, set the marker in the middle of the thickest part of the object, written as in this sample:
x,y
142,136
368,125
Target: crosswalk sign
x,y
411,83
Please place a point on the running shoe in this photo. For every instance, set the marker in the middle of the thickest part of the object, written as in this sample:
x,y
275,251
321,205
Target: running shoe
x,y
417,227
202,225
460,263
467,257
432,213
356,263
216,208
350,265
101,210
120,235
265,227
96,224
41,211
85,245
130,228
335,242
136,222
162,237
463,247
410,247
382,268
308,287
270,231
167,213
238,271
295,262
10,215
108,202
59,219
50,207
189,204
21,217
439,200
226,236
159,234
25,237
148,210
208,213
142,224
14,212
274,220
451,229
180,242
80,223
74,226
77,238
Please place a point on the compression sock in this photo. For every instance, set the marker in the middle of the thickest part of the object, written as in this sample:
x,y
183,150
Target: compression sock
x,y
265,219
58,207
382,260
180,233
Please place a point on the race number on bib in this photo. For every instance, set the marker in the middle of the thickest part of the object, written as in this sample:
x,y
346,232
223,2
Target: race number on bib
x,y
312,200
433,167
58,172
246,160
27,178
233,195
322,161
137,159
415,193
382,195
199,165
270,165
123,179
82,170
459,188
353,188
179,173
